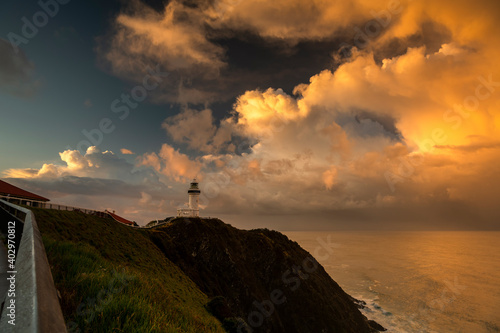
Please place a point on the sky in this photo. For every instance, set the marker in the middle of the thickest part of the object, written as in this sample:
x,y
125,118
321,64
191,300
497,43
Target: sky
x,y
292,114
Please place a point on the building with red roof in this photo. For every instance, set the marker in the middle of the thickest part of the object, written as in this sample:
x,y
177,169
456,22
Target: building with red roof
x,y
17,195
119,218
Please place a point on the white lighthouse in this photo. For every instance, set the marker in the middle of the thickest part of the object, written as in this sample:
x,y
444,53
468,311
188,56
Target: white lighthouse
x,y
193,209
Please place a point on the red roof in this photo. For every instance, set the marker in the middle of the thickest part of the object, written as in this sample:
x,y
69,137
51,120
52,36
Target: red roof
x,y
14,191
119,219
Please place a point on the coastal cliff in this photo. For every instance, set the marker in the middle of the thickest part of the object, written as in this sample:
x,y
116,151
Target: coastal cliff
x,y
191,275
259,280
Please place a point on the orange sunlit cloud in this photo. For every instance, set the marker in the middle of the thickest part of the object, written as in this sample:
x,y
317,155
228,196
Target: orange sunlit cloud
x,y
410,117
126,151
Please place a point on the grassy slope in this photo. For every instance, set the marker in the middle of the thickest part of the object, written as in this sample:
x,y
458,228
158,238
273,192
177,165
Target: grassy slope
x,y
112,278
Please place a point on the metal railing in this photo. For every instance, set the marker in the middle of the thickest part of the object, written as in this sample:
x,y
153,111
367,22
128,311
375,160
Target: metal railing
x,y
37,308
104,214
47,205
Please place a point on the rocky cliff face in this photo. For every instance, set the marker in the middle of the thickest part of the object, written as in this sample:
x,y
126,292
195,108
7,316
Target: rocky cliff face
x,y
259,280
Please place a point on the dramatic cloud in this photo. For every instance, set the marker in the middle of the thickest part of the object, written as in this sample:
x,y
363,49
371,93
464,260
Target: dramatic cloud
x,y
427,114
175,39
404,118
198,131
102,180
293,20
192,42
415,129
171,163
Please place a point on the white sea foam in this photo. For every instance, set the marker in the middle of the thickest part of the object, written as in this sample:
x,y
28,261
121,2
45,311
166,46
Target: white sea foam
x,y
373,311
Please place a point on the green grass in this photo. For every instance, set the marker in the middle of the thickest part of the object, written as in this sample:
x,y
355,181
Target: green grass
x,y
112,278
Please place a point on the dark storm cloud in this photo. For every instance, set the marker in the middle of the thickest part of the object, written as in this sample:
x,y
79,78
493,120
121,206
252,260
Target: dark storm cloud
x,y
387,122
364,123
223,58
258,63
249,62
208,60
430,34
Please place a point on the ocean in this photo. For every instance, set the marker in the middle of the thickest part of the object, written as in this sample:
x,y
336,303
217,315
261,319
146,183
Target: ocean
x,y
416,281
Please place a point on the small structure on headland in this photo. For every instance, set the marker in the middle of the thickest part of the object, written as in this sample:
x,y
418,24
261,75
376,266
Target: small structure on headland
x,y
193,209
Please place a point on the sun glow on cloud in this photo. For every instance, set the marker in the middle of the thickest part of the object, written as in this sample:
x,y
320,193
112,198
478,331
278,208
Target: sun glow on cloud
x,y
409,119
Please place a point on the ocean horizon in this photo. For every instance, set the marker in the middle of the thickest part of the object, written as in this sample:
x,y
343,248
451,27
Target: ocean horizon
x,y
415,281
